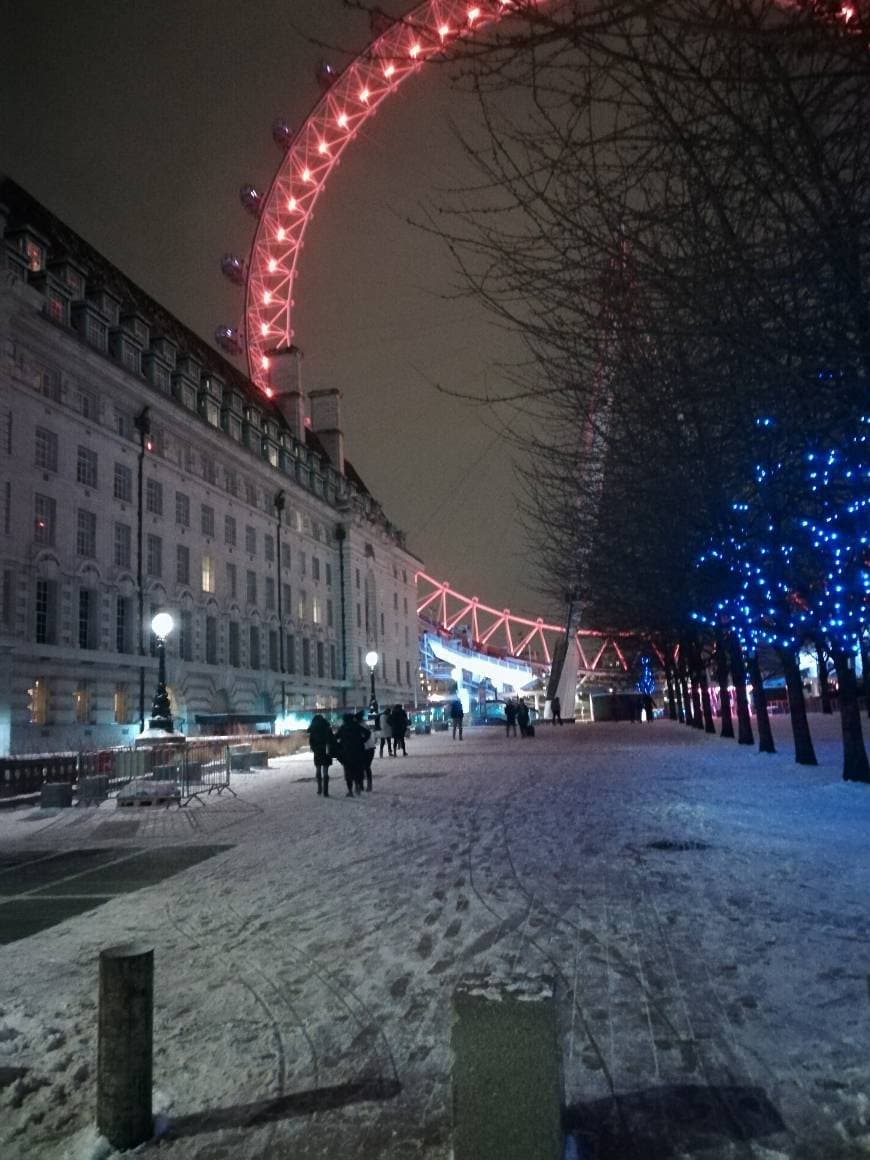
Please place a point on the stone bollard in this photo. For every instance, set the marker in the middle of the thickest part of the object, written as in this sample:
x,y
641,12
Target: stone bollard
x,y
125,1045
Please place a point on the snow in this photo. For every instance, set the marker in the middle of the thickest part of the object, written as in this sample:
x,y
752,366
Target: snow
x,y
304,977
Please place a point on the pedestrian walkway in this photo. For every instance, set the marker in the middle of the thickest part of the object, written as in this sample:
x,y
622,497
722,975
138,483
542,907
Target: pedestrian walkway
x,y
700,910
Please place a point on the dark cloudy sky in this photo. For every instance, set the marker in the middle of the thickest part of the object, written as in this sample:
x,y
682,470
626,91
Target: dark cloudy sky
x,y
137,122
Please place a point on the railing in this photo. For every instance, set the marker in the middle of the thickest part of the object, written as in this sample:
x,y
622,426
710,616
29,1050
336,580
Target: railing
x,y
194,768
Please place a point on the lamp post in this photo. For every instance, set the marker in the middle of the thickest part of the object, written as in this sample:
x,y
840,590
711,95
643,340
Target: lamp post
x,y
372,659
161,712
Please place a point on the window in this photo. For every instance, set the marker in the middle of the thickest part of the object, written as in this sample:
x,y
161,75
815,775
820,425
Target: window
x,y
123,489
270,594
46,449
383,630
315,609
315,569
86,403
57,306
45,605
405,604
209,471
250,493
120,709
321,663
330,616
82,703
269,548
254,647
306,657
233,627
211,657
207,574
87,618
122,424
395,602
303,563
86,467
185,636
357,578
232,581
96,332
398,671
250,540
182,509
123,545
154,556
300,610
86,533
358,616
34,254
182,564
44,519
230,531
408,673
207,520
154,497
38,702
286,600
333,664
328,575
6,597
290,653
123,624
251,588
231,483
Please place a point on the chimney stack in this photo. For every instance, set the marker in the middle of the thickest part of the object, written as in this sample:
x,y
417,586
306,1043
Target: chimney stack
x,y
326,424
286,382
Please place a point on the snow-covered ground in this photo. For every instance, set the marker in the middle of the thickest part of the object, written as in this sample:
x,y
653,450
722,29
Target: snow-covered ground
x,y
713,1000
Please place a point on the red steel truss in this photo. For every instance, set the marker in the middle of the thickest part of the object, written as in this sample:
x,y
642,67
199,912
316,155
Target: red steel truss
x,y
501,632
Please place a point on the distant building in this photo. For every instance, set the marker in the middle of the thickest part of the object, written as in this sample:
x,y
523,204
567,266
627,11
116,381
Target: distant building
x,y
139,466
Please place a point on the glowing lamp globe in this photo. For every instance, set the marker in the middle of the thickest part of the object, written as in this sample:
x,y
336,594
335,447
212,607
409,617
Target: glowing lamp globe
x,y
162,624
372,659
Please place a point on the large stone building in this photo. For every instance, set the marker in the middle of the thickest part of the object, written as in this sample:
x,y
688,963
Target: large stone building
x,y
141,471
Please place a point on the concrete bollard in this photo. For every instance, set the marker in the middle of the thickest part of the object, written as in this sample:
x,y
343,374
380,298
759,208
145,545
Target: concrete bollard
x,y
125,1044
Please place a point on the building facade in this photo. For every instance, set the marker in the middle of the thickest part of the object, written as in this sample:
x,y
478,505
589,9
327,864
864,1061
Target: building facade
x,y
140,471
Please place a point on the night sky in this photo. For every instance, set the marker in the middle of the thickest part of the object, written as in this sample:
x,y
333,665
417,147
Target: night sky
x,y
136,123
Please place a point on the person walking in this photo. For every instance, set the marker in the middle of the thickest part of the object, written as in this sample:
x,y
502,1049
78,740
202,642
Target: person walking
x,y
370,744
523,718
456,715
386,733
399,725
510,717
321,739
350,740
556,707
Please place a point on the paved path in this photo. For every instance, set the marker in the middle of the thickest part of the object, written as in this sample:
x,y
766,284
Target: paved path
x,y
701,909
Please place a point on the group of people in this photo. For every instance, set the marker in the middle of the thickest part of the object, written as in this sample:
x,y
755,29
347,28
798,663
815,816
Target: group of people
x,y
353,745
517,713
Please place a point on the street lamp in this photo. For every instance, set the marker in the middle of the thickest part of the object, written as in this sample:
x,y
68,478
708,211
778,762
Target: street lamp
x,y
372,659
161,713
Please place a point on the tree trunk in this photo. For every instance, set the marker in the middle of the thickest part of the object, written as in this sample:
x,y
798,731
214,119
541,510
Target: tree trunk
x,y
672,700
824,683
706,706
765,733
865,670
804,754
722,681
738,669
691,653
855,764
684,687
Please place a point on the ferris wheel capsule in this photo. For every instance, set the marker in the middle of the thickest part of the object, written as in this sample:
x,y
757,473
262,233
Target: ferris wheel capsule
x,y
233,268
251,200
326,75
229,339
281,134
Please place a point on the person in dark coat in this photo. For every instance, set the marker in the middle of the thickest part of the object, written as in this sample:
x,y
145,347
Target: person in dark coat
x,y
399,724
386,731
510,717
351,740
370,744
523,718
320,739
456,715
556,706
